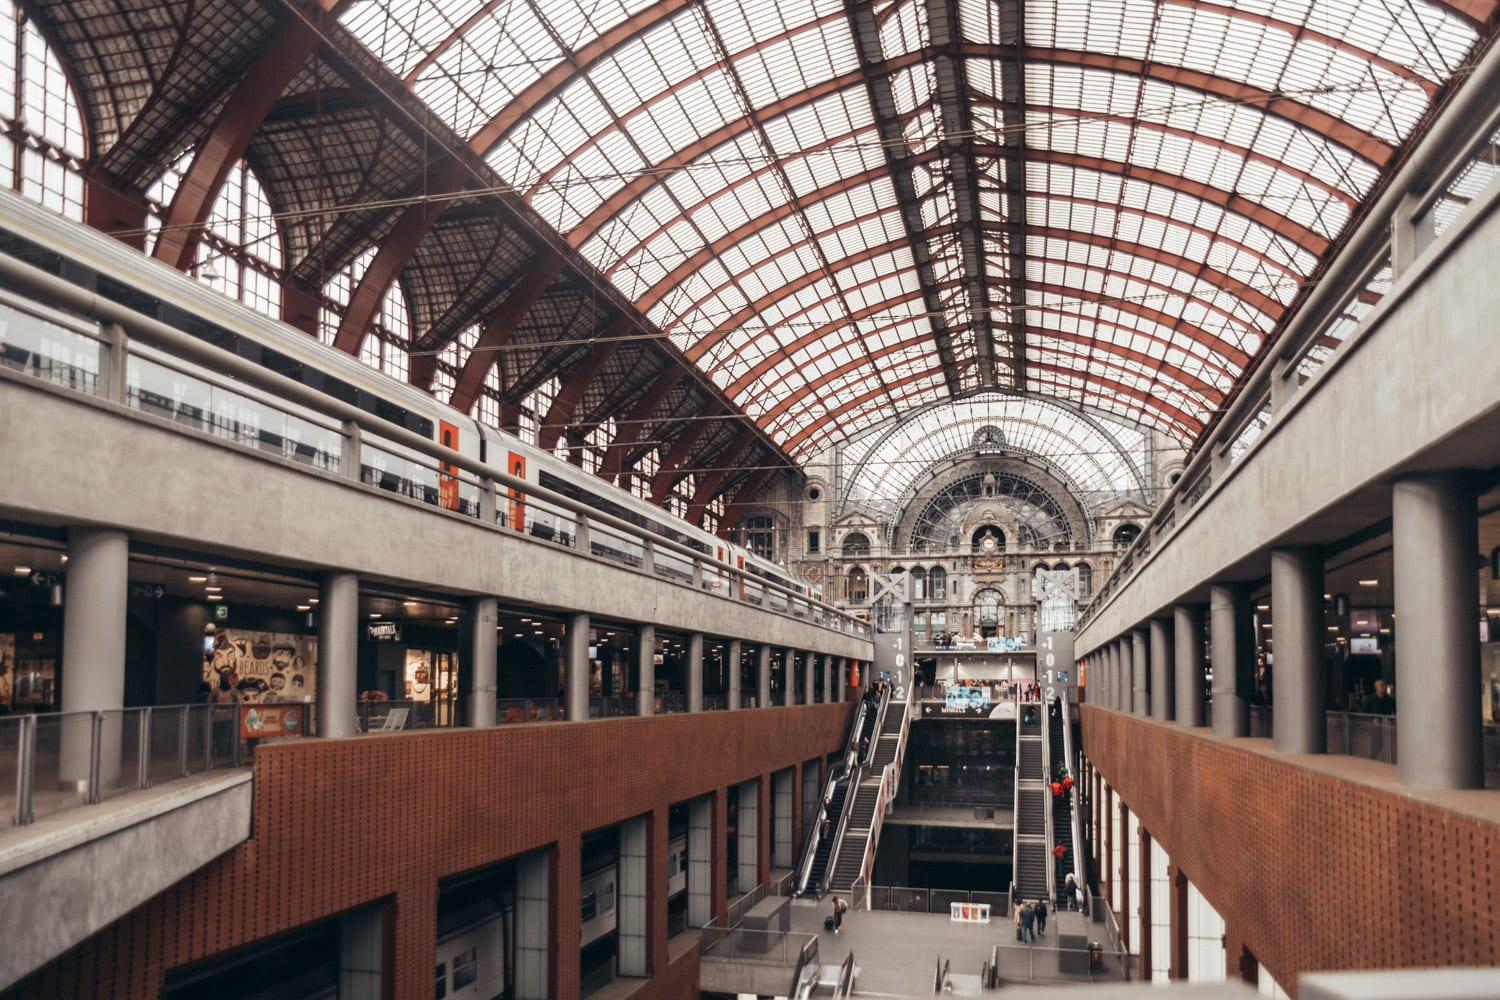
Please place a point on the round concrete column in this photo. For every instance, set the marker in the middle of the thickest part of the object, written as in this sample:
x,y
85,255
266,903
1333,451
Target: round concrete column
x,y
576,666
1435,533
763,675
479,700
1232,638
732,654
1140,672
645,662
338,654
1163,678
695,672
1125,690
829,695
809,677
93,672
1188,638
1298,721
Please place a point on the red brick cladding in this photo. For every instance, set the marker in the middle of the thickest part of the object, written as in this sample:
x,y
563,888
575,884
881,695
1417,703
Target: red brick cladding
x,y
1314,863
343,822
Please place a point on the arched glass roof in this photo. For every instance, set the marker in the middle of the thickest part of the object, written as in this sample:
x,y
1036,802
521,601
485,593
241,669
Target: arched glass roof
x,y
1100,459
841,209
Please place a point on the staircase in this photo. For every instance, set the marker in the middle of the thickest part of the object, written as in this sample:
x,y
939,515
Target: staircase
x,y
1031,869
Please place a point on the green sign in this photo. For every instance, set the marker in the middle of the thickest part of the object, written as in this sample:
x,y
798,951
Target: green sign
x,y
221,611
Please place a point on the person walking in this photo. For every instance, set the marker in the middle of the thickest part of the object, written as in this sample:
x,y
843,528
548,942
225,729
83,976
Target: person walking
x,y
1070,890
1020,932
838,913
1041,916
1028,922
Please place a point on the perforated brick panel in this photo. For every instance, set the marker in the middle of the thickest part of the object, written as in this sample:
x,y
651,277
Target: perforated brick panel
x,y
341,823
1314,863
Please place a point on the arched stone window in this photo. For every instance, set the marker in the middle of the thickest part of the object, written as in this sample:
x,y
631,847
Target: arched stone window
x,y
42,148
1125,534
856,543
937,583
918,583
1061,566
857,585
760,536
989,608
1085,579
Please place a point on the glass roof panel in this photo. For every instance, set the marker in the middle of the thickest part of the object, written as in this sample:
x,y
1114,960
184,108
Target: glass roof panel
x,y
1185,165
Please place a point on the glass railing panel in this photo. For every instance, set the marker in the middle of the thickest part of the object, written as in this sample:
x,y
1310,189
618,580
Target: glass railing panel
x,y
10,752
608,543
673,567
1467,186
48,351
63,753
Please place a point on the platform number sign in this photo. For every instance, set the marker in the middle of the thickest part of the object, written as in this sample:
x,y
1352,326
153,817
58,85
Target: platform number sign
x,y
1055,657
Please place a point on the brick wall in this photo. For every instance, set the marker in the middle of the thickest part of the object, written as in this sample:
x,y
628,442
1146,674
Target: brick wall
x,y
1314,862
340,823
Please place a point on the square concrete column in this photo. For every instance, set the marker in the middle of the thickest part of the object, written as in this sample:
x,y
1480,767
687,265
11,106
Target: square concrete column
x,y
338,652
1125,692
479,700
1435,535
700,861
576,665
645,660
631,918
533,903
733,667
695,672
1163,677
747,835
1299,675
1232,639
763,675
1188,638
782,792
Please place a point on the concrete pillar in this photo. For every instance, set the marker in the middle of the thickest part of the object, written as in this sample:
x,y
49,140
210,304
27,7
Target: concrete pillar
x,y
338,654
576,667
645,661
700,861
763,675
1297,597
1126,690
1187,628
695,672
479,700
747,835
633,952
1232,639
1140,671
532,919
782,795
809,677
1435,535
93,673
1163,676
840,678
1120,684
1109,673
732,654
830,674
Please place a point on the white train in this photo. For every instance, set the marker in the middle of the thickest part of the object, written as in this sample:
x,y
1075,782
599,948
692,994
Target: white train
x,y
172,388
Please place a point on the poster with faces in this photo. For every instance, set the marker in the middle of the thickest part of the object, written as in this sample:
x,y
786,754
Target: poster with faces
x,y
262,666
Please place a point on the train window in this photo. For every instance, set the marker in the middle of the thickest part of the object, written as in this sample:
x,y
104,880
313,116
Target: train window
x,y
607,898
590,906
441,976
465,969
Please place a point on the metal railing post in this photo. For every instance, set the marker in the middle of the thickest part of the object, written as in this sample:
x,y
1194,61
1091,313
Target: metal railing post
x,y
208,739
96,748
25,768
143,751
182,741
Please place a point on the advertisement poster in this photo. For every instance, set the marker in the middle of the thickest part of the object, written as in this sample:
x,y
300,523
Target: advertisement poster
x,y
262,666
7,662
429,675
258,722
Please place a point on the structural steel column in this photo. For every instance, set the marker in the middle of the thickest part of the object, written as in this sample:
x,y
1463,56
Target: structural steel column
x,y
93,673
338,653
1232,638
1163,677
1188,637
1144,957
695,672
763,676
1298,680
1140,672
732,653
1435,534
479,700
645,661
576,683
1179,922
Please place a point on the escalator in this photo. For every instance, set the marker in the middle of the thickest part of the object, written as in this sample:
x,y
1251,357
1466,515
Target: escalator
x,y
819,843
1062,805
862,828
1031,868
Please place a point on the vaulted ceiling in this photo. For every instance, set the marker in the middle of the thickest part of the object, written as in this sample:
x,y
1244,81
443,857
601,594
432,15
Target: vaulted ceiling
x,y
748,230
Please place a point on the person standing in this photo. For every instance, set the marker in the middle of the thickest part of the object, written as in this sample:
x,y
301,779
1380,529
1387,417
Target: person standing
x,y
838,913
1041,916
1028,922
1020,932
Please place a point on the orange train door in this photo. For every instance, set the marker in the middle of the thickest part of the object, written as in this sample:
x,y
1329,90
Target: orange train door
x,y
516,466
447,471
